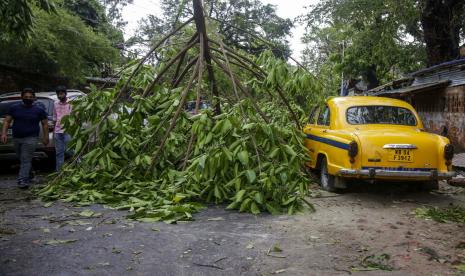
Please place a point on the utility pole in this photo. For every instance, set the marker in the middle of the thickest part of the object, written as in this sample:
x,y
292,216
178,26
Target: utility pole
x,y
341,93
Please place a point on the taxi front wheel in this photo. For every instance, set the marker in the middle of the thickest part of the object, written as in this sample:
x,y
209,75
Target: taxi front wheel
x,y
327,181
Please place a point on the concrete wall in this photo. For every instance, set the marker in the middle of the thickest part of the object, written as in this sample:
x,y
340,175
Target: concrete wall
x,y
444,108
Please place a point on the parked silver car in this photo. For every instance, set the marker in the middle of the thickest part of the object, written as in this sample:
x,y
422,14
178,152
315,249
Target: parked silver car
x,y
44,100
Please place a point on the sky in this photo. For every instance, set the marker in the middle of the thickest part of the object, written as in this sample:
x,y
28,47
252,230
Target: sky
x,y
285,8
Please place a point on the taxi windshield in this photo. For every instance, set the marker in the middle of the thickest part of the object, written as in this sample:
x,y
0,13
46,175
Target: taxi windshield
x,y
377,114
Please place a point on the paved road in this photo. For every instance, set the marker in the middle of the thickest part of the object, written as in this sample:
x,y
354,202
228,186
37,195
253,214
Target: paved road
x,y
345,230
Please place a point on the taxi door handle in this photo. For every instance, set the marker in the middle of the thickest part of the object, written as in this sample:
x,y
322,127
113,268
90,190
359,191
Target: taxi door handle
x,y
324,131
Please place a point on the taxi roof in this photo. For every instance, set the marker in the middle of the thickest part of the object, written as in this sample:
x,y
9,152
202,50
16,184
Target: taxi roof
x,y
367,100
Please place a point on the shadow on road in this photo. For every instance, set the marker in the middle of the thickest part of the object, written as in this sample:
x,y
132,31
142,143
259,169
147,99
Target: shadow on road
x,y
11,167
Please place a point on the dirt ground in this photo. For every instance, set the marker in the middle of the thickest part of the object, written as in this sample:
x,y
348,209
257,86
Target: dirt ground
x,y
368,224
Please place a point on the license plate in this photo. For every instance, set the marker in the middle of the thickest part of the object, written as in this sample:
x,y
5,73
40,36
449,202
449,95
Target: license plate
x,y
10,131
401,155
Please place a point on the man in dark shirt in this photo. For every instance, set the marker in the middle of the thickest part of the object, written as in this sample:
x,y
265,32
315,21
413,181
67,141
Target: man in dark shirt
x,y
26,119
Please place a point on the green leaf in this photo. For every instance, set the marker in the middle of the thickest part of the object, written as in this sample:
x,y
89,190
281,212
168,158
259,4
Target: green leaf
x,y
274,152
251,176
202,160
89,214
57,242
240,195
217,192
254,208
289,150
272,209
243,157
178,197
245,205
258,198
78,145
209,138
226,126
233,205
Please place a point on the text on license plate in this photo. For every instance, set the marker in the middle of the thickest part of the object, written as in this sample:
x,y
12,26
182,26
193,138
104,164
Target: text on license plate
x,y
401,155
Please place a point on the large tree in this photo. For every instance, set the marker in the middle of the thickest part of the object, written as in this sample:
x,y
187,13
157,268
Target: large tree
x,y
380,40
60,44
238,20
443,27
103,17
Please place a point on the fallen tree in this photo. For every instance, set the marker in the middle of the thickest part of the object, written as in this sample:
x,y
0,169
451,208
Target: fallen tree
x,y
140,150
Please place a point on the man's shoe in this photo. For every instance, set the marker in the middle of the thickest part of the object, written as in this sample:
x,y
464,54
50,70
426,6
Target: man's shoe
x,y
23,185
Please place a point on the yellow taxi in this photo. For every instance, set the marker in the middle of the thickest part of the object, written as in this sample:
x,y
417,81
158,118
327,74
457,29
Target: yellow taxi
x,y
374,138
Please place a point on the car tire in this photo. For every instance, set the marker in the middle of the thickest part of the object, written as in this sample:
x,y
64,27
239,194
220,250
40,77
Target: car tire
x,y
430,185
327,181
423,186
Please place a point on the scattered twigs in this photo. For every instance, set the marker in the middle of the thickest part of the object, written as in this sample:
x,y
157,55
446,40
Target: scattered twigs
x,y
209,265
220,259
268,253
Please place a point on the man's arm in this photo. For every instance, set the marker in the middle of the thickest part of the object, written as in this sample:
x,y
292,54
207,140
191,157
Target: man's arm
x,y
6,125
45,131
54,114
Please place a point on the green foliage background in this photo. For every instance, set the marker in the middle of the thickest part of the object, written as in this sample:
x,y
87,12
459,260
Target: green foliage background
x,y
60,43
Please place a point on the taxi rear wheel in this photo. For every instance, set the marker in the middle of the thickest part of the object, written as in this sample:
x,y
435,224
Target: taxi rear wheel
x,y
424,186
430,185
327,181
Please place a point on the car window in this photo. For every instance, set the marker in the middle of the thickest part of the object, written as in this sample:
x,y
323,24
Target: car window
x,y
324,116
312,118
391,115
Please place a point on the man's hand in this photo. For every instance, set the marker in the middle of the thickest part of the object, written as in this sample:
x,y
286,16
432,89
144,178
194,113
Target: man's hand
x,y
45,141
45,132
6,125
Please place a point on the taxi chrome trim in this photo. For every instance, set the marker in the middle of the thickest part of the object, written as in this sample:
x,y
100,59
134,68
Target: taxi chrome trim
x,y
373,173
400,146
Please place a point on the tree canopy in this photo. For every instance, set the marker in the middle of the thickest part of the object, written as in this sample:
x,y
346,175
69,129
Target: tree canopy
x,y
17,17
380,40
238,21
73,41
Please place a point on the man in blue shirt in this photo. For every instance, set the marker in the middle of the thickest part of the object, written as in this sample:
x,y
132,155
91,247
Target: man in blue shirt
x,y
26,119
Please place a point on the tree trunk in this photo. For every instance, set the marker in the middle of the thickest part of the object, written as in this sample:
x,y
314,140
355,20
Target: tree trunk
x,y
371,77
199,18
441,31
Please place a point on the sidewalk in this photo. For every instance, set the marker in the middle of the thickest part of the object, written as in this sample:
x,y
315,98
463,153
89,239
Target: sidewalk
x,y
459,160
